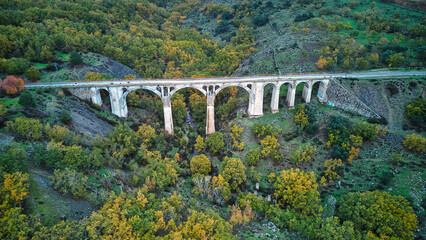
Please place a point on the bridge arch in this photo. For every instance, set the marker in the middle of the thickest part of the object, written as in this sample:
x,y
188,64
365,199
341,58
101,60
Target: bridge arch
x,y
177,88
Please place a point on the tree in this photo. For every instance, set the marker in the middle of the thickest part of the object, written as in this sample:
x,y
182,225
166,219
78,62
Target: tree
x,y
301,118
26,128
235,135
46,54
416,111
215,142
379,214
75,58
199,144
260,20
33,74
269,145
416,142
331,167
221,189
12,85
396,60
366,131
146,133
253,157
14,159
200,164
27,100
70,181
5,47
179,108
65,117
233,171
3,111
303,154
298,190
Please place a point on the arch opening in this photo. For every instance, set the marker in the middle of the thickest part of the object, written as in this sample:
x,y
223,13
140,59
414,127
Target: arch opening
x,y
144,106
189,106
106,98
268,91
229,102
315,90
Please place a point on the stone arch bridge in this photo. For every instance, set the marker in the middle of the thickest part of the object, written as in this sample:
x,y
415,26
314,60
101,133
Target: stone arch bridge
x,y
210,87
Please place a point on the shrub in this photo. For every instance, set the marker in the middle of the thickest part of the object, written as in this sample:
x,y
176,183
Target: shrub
x,y
253,157
416,112
303,17
75,58
200,165
233,171
222,27
339,152
415,142
297,190
70,181
386,216
27,100
269,146
366,131
26,128
226,15
65,117
17,66
338,122
259,130
33,74
260,20
199,144
312,128
215,142
303,154
331,167
12,85
14,160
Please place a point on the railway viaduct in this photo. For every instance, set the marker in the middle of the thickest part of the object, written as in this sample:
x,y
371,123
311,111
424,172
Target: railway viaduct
x,y
165,88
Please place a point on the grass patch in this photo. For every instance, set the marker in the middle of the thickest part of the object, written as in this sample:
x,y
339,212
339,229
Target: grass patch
x,y
62,56
11,102
47,211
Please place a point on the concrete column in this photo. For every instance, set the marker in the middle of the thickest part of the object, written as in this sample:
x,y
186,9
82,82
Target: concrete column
x,y
168,117
322,91
95,96
275,101
307,91
210,114
118,102
291,94
256,104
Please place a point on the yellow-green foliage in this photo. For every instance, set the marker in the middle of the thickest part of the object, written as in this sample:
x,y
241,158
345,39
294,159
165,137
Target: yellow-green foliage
x,y
303,154
301,118
70,181
199,144
235,135
415,142
26,128
233,171
331,166
379,214
297,190
269,145
200,164
146,133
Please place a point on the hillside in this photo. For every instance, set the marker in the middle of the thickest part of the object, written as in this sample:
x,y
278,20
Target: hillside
x,y
70,169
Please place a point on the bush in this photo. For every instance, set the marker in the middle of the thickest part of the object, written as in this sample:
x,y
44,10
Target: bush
x,y
386,216
312,128
12,85
201,165
233,171
26,128
75,58
215,142
416,112
260,20
14,160
366,131
303,154
303,17
27,100
338,122
17,66
415,142
339,152
33,74
226,15
65,117
253,157
222,27
259,130
70,181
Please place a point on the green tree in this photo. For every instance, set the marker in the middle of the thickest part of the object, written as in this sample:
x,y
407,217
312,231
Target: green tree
x,y
26,128
65,117
27,100
396,60
253,157
5,47
200,164
17,66
303,154
179,108
14,159
416,111
233,171
215,142
75,58
33,74
379,213
297,190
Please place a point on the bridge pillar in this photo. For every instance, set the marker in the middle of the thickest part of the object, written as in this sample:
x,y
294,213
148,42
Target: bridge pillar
x,y
275,101
168,117
95,96
322,91
291,94
210,114
256,101
307,91
118,102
